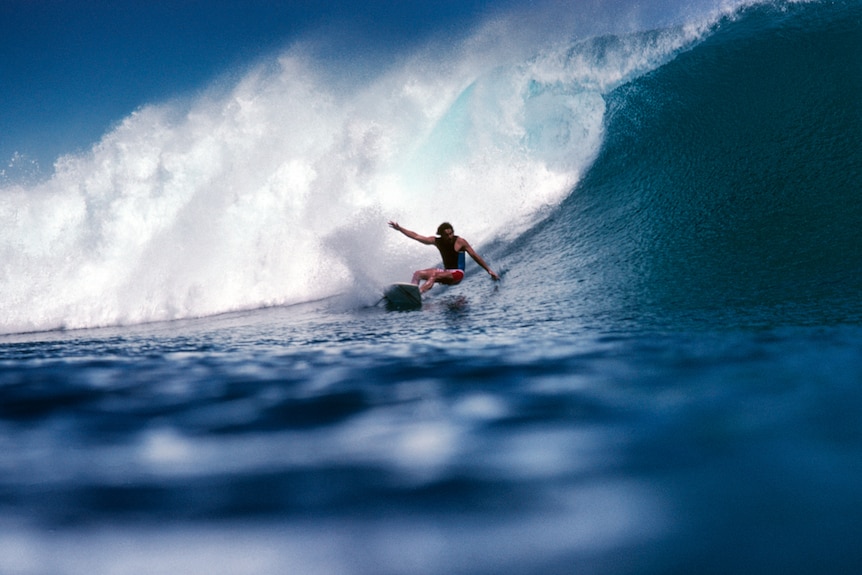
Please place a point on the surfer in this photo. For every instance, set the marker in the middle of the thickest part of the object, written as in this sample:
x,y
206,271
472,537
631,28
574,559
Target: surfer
x,y
449,246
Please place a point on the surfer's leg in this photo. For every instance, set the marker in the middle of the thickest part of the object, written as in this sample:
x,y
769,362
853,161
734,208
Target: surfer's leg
x,y
443,276
432,276
427,275
421,275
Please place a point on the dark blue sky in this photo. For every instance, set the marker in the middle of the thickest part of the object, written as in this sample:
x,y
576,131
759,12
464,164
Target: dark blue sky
x,y
69,69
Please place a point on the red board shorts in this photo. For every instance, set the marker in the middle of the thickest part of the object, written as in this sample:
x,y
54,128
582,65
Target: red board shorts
x,y
457,276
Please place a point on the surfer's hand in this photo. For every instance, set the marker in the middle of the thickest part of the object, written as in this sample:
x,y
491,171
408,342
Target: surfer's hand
x,y
494,276
394,225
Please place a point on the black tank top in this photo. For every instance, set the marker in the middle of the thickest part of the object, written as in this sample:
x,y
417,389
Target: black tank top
x,y
448,253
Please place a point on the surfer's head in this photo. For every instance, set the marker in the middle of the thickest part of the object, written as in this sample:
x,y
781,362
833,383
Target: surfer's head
x,y
441,229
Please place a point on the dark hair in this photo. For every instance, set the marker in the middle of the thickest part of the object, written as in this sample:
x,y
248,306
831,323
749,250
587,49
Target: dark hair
x,y
444,226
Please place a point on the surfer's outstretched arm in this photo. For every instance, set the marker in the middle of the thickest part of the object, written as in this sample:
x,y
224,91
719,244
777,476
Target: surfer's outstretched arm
x,y
412,235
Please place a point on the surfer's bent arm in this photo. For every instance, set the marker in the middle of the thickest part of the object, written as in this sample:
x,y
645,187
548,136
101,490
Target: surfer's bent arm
x,y
478,259
412,235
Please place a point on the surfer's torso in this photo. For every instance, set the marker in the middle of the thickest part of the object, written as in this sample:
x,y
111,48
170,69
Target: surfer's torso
x,y
448,251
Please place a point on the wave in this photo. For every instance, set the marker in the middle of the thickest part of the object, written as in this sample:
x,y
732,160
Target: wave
x,y
727,187
654,153
276,189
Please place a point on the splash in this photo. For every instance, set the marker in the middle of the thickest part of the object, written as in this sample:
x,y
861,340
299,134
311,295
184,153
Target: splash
x,y
276,189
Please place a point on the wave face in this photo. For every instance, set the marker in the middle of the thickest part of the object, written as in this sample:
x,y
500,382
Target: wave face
x,y
709,166
728,186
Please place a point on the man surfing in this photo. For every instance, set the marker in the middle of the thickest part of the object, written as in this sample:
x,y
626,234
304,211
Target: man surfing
x,y
449,246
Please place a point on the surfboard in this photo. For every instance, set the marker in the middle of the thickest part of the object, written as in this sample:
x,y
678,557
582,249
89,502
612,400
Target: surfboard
x,y
402,296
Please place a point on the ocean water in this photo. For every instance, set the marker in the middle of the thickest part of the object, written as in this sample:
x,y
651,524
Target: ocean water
x,y
197,376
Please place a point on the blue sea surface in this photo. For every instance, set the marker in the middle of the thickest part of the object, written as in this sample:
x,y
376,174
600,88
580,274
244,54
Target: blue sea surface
x,y
445,440
667,378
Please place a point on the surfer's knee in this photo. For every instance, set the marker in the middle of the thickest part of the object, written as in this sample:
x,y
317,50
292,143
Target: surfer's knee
x,y
429,283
